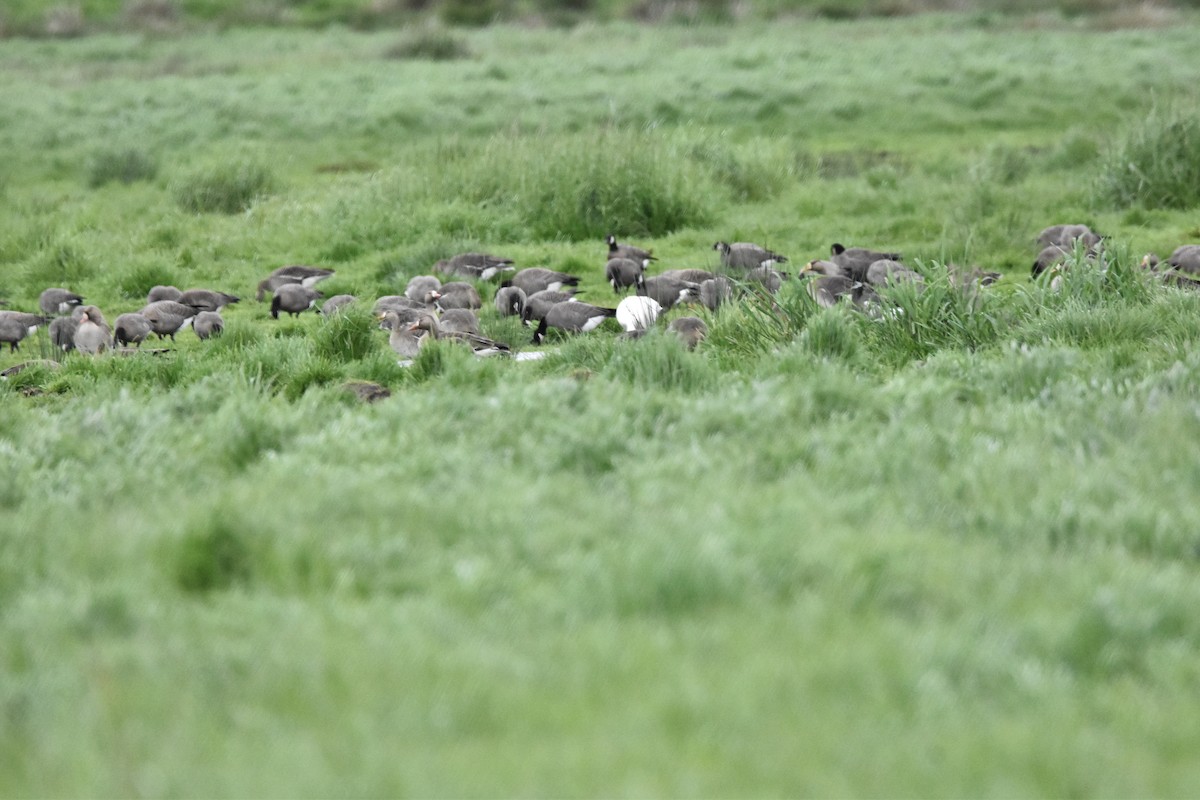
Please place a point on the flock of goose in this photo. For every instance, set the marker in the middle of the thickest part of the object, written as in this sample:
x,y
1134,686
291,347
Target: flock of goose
x,y
431,308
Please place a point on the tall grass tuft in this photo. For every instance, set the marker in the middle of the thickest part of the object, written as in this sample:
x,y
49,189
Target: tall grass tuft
x,y
347,336
138,281
1156,163
123,164
212,556
225,188
659,359
430,45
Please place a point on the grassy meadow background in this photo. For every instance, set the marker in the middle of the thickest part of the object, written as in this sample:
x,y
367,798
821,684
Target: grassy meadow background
x,y
951,552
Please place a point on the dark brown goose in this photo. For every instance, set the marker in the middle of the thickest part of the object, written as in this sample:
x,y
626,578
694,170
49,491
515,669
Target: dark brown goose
x,y
669,291
637,254
540,279
58,301
336,303
168,317
716,291
16,325
207,299
747,256
1066,235
690,330
479,266
458,295
539,303
1186,258
510,301
163,293
1050,256
62,332
208,323
294,273
572,317
622,273
293,299
131,329
857,260
693,275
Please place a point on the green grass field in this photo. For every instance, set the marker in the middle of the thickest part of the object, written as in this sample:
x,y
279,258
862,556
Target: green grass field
x,y
952,552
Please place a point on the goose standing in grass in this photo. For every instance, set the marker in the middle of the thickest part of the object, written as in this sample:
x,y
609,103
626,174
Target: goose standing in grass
x,y
716,291
294,299
90,336
295,273
638,314
692,275
690,330
617,250
207,299
163,293
168,317
510,301
458,295
399,301
1049,257
857,260
886,272
420,286
58,301
668,291
62,333
1186,258
539,279
747,256
622,273
208,323
132,328
460,320
770,279
573,317
404,339
1066,235
337,303
538,304
480,344
477,266
827,283
16,325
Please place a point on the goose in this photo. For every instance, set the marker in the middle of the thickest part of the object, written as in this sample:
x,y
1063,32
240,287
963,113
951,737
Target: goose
x,y
480,344
621,273
886,272
573,317
163,293
539,303
637,254
480,266
168,317
421,285
457,295
269,285
747,256
969,279
510,301
94,313
638,313
1050,255
90,336
208,323
337,303
206,299
771,279
399,301
367,391
294,273
538,279
403,338
691,330
131,329
62,332
827,268
294,299
715,291
58,301
857,260
827,290
459,320
1186,257
16,325
693,275
1066,236
669,291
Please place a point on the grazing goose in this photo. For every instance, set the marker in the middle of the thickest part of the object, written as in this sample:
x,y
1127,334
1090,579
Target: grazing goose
x,y
457,295
480,344
404,339
367,391
857,260
269,285
460,320
294,299
479,266
168,317
420,286
969,279
637,254
510,301
638,313
337,303
90,337
715,291
131,329
207,299
771,279
208,323
669,291
573,317
399,301
827,268
1186,258
691,330
539,279
886,272
1050,256
693,275
1066,236
294,273
16,325
539,303
747,256
62,332
827,290
58,301
163,293
621,273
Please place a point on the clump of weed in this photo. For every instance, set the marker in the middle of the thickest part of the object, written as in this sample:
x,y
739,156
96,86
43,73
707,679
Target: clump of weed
x,y
1156,163
831,334
213,555
317,371
226,188
475,13
659,359
750,176
124,164
430,45
138,281
347,336
62,264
